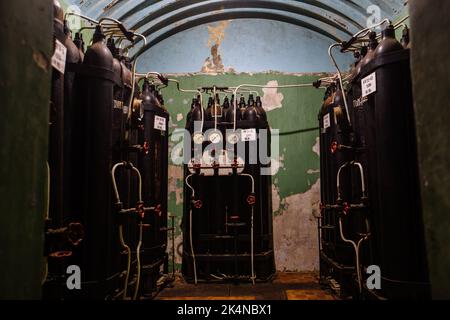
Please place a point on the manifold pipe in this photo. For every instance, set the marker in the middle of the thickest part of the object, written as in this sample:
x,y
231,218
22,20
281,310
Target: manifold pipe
x,y
254,92
47,217
338,183
341,83
215,108
133,84
138,249
122,241
128,250
252,254
80,16
356,247
361,171
138,257
121,238
190,229
236,89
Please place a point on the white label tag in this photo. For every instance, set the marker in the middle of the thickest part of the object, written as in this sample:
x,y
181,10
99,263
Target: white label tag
x,y
160,123
248,135
59,57
369,85
326,121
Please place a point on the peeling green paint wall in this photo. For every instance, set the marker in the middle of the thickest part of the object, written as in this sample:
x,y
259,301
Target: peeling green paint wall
x,y
296,191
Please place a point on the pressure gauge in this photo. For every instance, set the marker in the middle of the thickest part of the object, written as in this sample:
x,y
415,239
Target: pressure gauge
x,y
215,137
198,138
233,138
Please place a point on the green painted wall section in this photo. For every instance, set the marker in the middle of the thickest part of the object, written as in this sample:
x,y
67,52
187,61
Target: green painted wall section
x,y
298,174
26,37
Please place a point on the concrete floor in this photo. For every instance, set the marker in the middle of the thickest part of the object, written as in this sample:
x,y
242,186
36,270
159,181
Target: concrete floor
x,y
285,286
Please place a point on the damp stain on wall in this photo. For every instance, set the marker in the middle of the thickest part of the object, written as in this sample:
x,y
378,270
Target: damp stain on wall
x,y
214,63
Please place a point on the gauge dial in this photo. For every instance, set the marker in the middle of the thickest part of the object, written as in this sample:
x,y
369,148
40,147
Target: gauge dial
x,y
233,138
215,137
198,138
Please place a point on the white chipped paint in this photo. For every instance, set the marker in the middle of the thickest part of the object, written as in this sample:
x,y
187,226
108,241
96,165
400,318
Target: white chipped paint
x,y
316,147
175,176
276,199
295,232
272,99
277,164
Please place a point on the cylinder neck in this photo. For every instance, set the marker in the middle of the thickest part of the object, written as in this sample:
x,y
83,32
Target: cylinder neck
x,y
99,36
226,103
389,32
373,44
242,103
251,101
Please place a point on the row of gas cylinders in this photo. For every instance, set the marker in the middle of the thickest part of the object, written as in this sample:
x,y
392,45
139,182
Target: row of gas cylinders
x,y
369,175
91,130
250,110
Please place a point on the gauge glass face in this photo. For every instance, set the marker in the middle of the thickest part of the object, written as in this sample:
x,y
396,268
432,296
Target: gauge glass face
x,y
198,138
215,137
233,138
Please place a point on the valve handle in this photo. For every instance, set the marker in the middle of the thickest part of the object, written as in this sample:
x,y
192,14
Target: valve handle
x,y
75,233
251,199
198,204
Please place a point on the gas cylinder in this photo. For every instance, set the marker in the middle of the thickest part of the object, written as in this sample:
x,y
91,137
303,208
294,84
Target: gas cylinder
x,y
74,58
189,115
197,113
217,110
259,107
92,168
336,257
384,128
78,41
225,108
405,41
251,113
242,107
153,165
209,109
56,129
233,113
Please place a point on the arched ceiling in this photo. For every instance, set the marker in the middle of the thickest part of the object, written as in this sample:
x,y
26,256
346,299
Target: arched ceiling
x,y
159,20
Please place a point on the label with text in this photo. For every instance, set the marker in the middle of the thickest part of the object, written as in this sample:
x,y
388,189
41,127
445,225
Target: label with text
x,y
326,121
160,123
369,85
59,57
248,135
